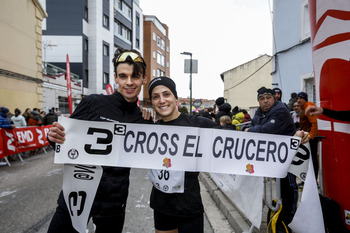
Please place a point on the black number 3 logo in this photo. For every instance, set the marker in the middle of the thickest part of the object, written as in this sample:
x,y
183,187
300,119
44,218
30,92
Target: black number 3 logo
x,y
107,140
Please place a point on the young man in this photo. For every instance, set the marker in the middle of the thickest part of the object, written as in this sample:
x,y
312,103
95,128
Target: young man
x,y
108,209
272,117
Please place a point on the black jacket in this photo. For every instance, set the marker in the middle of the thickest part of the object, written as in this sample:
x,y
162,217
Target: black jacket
x,y
224,109
50,118
112,192
189,203
275,121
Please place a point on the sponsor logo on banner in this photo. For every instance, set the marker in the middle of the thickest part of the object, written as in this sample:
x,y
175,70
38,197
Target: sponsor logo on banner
x,y
73,154
10,141
347,217
250,168
167,162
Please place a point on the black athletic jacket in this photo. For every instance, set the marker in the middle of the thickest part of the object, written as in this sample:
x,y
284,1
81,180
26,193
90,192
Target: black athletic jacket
x,y
189,203
112,191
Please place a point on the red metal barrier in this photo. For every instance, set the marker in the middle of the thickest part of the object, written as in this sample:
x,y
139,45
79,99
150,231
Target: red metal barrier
x,y
13,141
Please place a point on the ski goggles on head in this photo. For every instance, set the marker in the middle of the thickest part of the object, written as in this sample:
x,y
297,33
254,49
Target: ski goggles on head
x,y
130,56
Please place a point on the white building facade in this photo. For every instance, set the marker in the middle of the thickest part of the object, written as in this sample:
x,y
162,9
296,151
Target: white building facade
x,y
90,31
292,69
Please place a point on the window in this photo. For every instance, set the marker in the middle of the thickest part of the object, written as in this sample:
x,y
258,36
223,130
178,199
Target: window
x,y
160,59
86,45
120,5
63,104
105,79
123,8
128,34
137,43
86,80
154,36
137,21
305,21
105,50
86,13
154,72
154,54
160,43
105,21
160,73
116,27
121,31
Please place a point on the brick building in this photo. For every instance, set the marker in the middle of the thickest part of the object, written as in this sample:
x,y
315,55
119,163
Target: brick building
x,y
156,51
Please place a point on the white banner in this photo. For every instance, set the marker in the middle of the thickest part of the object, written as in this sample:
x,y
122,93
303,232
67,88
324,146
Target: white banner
x,y
170,148
175,148
245,192
308,217
80,184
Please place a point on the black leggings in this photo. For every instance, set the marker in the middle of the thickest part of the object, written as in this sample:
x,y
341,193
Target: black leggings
x,y
163,222
61,223
289,195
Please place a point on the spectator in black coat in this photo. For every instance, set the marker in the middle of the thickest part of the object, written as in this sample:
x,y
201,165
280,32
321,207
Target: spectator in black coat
x,y
50,118
224,109
272,117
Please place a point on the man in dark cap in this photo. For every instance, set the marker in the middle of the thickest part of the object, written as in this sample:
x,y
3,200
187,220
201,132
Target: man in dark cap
x,y
4,121
308,123
272,117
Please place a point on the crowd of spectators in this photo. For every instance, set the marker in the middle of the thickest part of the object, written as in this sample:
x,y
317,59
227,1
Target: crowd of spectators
x,y
224,114
29,117
35,117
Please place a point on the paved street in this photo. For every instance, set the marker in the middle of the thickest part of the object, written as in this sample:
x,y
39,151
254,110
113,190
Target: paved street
x,y
29,192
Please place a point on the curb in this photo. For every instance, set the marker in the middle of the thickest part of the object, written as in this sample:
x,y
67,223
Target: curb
x,y
234,217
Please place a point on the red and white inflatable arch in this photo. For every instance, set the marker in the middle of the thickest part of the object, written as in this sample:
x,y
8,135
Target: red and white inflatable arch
x,y
330,36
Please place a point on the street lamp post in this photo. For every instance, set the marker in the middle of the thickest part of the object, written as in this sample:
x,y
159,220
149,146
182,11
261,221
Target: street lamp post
x,y
190,54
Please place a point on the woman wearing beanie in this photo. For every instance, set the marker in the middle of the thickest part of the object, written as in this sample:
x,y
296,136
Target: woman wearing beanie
x,y
180,210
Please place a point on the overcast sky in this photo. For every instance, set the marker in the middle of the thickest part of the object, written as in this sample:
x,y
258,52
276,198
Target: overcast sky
x,y
220,34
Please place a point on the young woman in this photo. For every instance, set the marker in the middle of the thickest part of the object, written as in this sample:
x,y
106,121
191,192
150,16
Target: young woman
x,y
176,210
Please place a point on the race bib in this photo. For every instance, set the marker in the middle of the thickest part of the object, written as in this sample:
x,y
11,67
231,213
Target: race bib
x,y
168,181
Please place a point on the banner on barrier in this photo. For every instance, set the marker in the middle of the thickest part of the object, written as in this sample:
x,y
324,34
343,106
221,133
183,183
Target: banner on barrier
x,y
176,148
19,140
2,152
